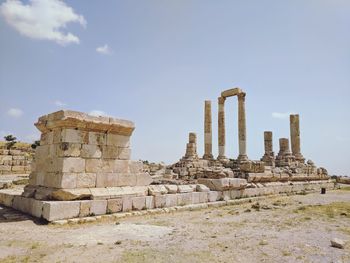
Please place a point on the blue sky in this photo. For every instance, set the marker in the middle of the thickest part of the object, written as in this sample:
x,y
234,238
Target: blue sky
x,y
155,62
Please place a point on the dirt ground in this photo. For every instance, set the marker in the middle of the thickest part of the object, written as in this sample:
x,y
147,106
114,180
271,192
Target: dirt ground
x,y
279,229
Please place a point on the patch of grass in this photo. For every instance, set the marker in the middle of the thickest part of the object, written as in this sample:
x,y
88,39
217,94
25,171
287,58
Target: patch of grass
x,y
331,210
35,245
345,188
286,253
158,256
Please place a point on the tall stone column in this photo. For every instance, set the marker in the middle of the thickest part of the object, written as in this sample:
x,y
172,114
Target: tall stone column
x,y
295,137
242,136
207,131
221,128
268,157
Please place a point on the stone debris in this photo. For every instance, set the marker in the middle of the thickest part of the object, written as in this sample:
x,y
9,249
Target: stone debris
x,y
337,243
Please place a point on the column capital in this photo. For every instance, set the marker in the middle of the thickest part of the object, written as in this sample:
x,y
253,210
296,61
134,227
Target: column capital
x,y
221,100
241,96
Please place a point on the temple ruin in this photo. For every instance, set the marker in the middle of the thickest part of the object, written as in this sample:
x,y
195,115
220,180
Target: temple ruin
x,y
83,168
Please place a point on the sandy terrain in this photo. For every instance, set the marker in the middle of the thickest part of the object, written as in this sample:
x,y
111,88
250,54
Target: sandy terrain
x,y
280,229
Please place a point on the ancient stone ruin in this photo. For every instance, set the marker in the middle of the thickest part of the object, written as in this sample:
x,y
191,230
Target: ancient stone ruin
x,y
83,168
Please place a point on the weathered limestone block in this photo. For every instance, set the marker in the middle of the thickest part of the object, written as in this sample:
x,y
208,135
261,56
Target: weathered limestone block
x,y
127,203
86,180
71,194
56,210
223,183
252,167
139,203
91,151
214,196
160,201
98,207
114,205
170,200
149,202
202,188
171,188
85,208
157,190
185,189
184,199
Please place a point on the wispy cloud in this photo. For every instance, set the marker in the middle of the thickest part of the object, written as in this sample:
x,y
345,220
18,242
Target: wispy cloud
x,y
42,19
97,113
281,115
59,103
105,50
15,112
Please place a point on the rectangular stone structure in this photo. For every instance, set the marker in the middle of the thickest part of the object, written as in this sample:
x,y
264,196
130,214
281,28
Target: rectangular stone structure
x,y
82,151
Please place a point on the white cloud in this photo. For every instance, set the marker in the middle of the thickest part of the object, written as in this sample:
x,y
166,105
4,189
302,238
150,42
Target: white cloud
x,y
42,19
105,50
15,112
97,113
281,115
59,103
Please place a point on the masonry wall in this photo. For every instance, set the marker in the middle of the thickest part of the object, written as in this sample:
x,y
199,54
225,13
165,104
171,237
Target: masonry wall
x,y
15,160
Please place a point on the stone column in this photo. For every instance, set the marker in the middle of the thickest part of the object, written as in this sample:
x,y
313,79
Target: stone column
x,y
207,131
242,137
268,157
268,142
284,148
221,128
191,147
295,137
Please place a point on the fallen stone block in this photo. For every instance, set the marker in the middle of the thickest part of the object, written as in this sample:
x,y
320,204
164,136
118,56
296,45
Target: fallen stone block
x,y
71,194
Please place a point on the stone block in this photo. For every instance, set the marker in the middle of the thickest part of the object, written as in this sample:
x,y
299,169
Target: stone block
x,y
171,188
139,203
93,165
127,203
91,151
184,199
85,208
202,188
203,197
67,180
157,190
5,168
223,184
66,149
98,207
107,179
97,138
72,165
100,193
121,166
185,189
124,153
235,194
134,166
85,180
143,179
118,140
46,138
159,201
110,152
195,198
149,202
72,135
56,210
214,196
170,200
127,179
17,168
114,205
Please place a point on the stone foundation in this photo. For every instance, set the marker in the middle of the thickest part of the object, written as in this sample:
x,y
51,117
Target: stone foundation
x,y
148,197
